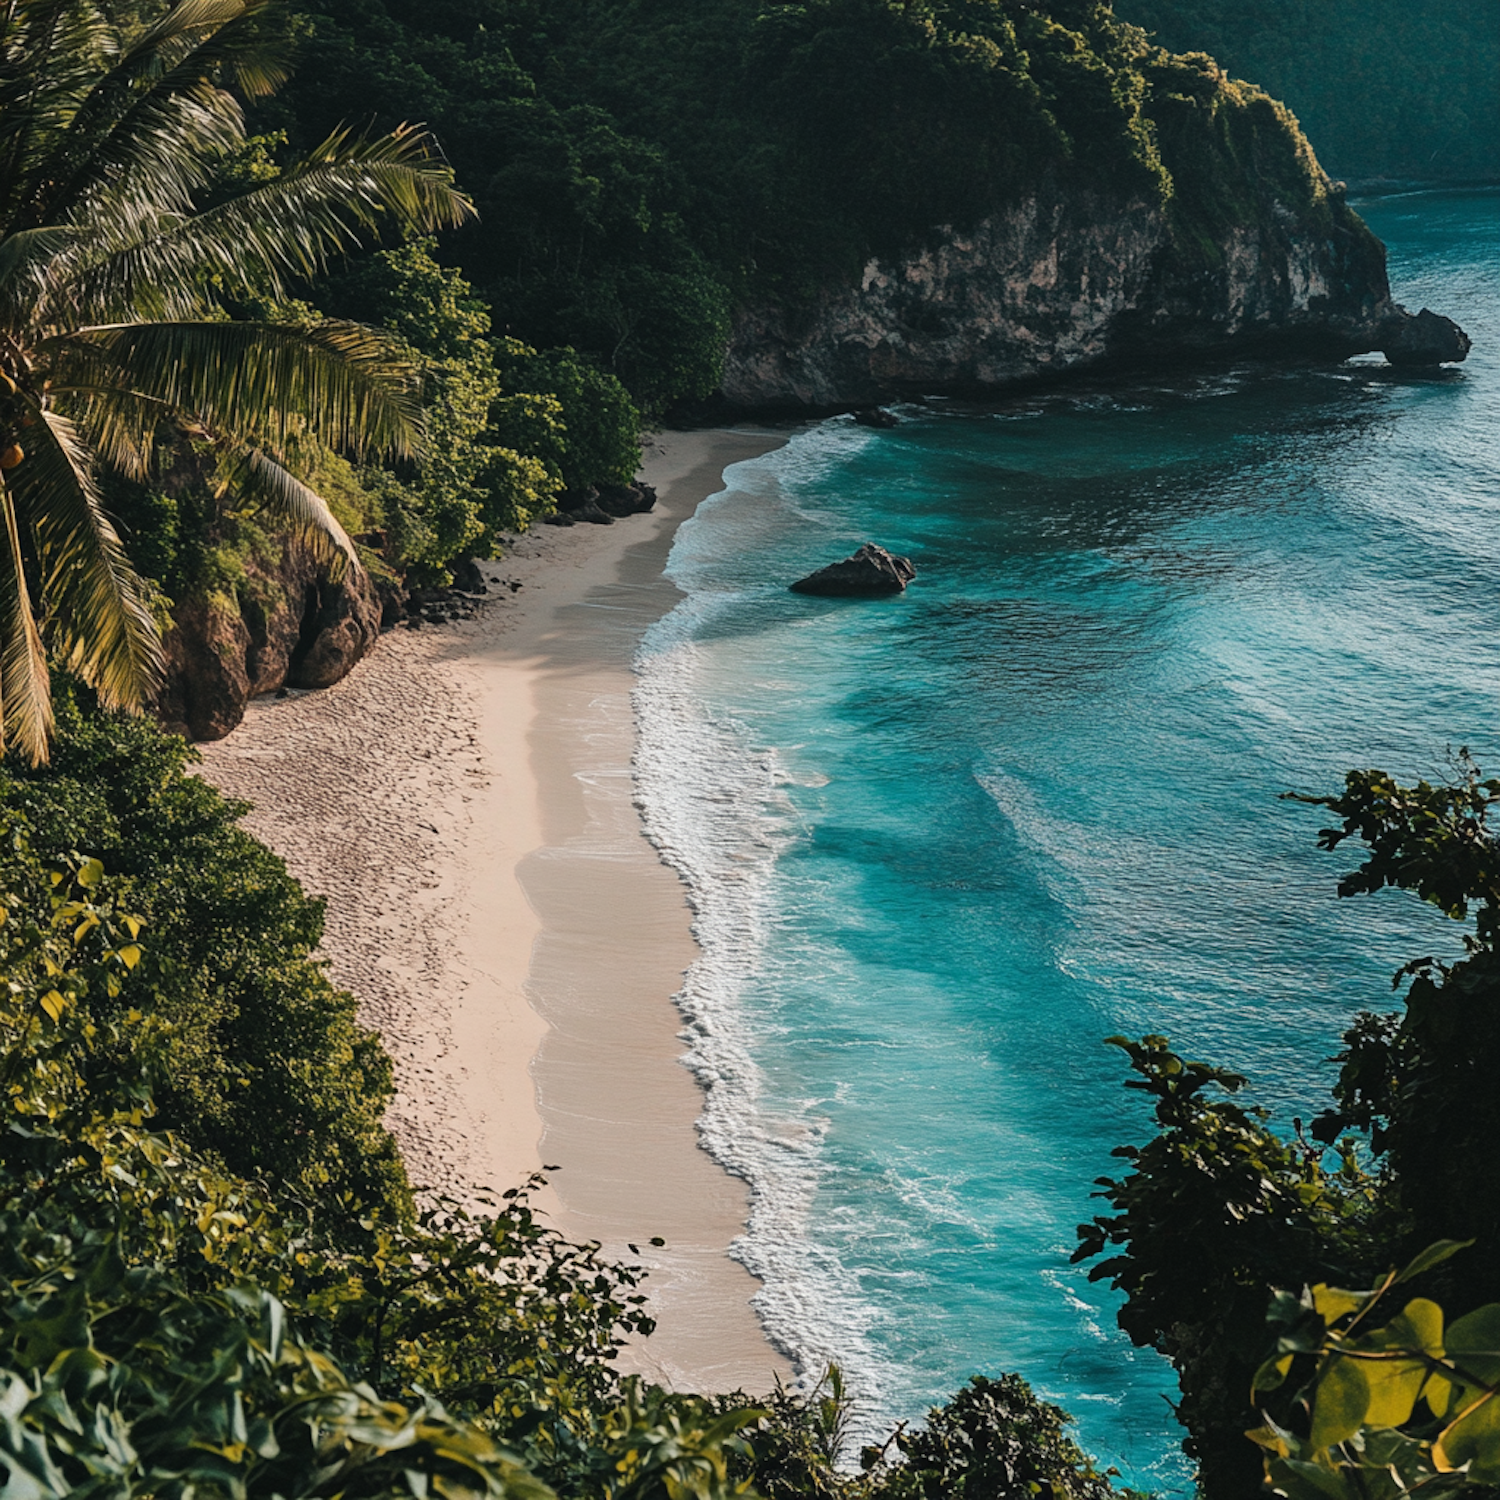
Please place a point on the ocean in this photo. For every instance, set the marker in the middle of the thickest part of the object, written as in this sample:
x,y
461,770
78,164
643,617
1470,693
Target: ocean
x,y
940,846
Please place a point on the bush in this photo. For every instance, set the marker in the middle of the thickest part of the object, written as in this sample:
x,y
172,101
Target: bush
x,y
266,1066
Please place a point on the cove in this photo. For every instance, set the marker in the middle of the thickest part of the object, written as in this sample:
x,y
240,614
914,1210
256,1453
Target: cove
x,y
940,846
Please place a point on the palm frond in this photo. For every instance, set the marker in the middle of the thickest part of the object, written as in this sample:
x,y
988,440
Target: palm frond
x,y
258,70
348,191
97,620
119,427
146,134
55,50
263,483
28,255
262,384
25,687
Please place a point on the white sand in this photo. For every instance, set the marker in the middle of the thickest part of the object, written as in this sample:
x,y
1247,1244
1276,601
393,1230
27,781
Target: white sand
x,y
463,800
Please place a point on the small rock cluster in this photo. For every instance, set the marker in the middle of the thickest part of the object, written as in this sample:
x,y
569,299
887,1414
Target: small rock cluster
x,y
442,606
602,505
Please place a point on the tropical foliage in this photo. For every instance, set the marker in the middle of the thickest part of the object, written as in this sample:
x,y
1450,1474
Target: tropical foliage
x,y
1220,1208
1388,1411
258,1059
1432,67
117,268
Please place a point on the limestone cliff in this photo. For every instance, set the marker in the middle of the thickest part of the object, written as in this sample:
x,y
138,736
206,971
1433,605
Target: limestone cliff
x,y
1071,279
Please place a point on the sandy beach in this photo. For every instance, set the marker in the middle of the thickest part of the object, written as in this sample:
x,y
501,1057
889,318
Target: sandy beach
x,y
464,802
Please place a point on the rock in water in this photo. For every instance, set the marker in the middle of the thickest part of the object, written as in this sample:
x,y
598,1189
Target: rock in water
x,y
876,416
871,572
1427,339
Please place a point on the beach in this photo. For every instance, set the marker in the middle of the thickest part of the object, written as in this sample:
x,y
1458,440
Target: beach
x,y
463,801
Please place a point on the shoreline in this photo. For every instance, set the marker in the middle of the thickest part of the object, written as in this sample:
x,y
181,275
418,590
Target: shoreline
x,y
464,802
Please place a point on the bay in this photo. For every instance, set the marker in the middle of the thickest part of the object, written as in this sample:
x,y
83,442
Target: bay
x,y
941,846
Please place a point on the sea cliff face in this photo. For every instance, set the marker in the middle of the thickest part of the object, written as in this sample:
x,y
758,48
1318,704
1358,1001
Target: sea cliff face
x,y
1069,280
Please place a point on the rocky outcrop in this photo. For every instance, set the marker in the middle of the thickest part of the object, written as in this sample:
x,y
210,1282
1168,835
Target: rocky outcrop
x,y
602,504
1075,279
290,626
870,573
1426,339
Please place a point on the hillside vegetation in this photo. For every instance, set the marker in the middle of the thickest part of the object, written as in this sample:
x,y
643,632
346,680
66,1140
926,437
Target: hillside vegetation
x,y
1384,88
642,168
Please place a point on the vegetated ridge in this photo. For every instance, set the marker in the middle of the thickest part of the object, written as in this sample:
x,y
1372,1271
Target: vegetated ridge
x,y
1387,90
863,199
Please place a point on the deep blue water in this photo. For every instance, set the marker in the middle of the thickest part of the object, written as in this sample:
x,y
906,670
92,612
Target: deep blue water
x,y
941,846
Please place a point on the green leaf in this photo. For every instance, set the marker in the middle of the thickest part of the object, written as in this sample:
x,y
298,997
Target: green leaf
x,y
1332,1303
1434,1255
1474,1439
1394,1387
1271,1374
1343,1398
1473,1344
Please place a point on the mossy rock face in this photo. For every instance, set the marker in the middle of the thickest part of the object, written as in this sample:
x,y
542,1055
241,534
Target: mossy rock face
x,y
286,624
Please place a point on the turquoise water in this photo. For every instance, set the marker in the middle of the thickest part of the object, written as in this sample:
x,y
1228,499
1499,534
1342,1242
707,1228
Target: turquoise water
x,y
940,846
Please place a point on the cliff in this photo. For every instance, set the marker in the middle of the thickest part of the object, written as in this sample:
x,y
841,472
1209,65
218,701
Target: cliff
x,y
1235,244
1070,280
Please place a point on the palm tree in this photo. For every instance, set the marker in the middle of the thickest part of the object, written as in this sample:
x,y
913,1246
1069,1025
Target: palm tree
x,y
117,267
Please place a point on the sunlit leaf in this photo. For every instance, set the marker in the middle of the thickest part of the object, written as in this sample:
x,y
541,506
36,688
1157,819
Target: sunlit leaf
x,y
1339,1407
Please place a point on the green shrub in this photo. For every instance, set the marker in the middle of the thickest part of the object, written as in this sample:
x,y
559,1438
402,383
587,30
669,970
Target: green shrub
x,y
266,1064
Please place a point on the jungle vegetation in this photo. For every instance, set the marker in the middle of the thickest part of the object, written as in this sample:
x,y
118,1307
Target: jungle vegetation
x,y
1225,1212
1384,89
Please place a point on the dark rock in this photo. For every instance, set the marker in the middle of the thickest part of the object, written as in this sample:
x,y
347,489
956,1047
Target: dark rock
x,y
573,501
876,416
295,628
592,514
869,573
559,518
468,577
206,685
391,595
618,500
1427,339
340,623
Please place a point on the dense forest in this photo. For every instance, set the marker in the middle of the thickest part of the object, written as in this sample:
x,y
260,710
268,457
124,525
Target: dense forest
x,y
218,1280
1383,89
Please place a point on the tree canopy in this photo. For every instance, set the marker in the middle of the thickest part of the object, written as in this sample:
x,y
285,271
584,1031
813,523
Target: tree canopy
x,y
117,268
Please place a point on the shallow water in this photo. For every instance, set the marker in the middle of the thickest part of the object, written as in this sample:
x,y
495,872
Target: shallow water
x,y
940,846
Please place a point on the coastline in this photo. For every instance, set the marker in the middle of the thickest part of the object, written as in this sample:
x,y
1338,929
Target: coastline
x,y
464,802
